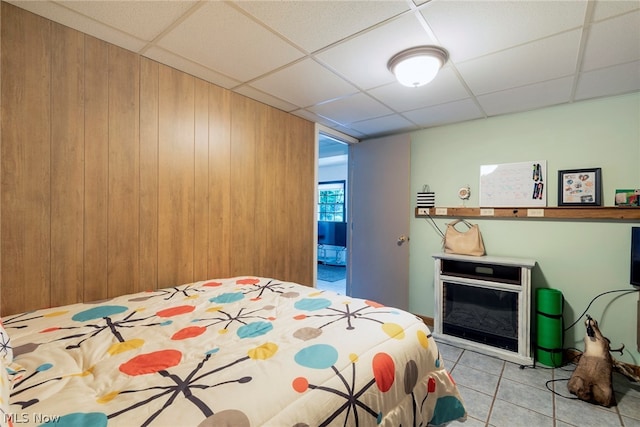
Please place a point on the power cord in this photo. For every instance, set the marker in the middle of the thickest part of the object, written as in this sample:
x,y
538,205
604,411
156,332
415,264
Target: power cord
x,y
626,291
435,225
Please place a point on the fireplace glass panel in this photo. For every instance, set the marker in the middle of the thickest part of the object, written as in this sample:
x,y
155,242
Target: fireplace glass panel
x,y
487,316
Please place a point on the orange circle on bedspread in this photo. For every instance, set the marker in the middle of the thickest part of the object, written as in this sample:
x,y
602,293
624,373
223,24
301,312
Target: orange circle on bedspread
x,y
174,311
188,332
151,363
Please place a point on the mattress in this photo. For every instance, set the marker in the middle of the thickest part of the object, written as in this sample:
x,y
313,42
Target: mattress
x,y
244,351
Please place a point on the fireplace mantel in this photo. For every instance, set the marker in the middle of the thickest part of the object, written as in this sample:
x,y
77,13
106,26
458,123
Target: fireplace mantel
x,y
484,304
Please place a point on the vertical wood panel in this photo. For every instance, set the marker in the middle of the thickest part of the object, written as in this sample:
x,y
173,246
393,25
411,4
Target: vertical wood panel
x,y
300,161
201,180
124,168
244,134
67,165
272,189
176,178
25,155
262,166
148,173
220,223
181,180
96,170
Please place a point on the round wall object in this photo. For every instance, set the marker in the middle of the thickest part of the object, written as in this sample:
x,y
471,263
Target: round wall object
x,y
464,193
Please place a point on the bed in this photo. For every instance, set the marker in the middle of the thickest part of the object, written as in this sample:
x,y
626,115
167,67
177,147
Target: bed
x,y
244,351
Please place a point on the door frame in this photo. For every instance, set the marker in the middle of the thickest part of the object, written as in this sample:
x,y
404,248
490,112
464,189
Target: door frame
x,y
349,140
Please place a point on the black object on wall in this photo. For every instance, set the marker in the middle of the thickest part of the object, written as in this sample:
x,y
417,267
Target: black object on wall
x,y
635,256
332,233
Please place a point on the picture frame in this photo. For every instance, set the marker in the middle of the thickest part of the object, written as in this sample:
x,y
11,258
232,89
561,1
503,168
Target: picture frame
x,y
580,187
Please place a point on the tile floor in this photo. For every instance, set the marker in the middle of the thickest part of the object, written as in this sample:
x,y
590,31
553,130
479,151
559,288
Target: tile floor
x,y
497,393
500,394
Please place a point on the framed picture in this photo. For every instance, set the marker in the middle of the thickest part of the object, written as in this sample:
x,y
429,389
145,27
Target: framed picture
x,y
580,187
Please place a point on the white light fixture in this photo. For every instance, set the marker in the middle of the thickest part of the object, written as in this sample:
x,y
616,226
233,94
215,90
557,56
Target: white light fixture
x,y
417,66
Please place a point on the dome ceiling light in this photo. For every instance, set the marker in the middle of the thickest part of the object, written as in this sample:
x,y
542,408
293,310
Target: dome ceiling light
x,y
417,66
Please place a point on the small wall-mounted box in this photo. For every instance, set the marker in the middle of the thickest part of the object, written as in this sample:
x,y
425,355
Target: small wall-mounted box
x,y
426,199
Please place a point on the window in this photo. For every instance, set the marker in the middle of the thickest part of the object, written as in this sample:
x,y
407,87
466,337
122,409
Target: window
x,y
331,201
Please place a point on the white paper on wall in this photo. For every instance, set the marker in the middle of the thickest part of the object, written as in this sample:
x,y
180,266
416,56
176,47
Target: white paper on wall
x,y
520,184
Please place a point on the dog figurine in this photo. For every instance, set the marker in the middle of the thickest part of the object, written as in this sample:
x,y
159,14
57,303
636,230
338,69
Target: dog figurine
x,y
592,379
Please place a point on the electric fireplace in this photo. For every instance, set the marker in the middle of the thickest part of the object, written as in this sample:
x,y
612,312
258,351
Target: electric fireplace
x,y
484,304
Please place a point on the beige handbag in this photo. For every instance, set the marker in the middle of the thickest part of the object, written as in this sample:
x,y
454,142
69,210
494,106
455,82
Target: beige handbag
x,y
468,242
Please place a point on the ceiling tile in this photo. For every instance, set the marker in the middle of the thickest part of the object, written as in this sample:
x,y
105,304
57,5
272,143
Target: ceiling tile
x,y
607,9
527,97
542,60
304,84
609,81
219,37
340,19
458,111
393,123
363,59
446,87
351,109
471,29
613,42
142,19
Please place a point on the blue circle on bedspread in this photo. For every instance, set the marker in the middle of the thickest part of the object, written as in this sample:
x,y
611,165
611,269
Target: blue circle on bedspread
x,y
79,419
228,297
318,356
254,329
99,312
312,304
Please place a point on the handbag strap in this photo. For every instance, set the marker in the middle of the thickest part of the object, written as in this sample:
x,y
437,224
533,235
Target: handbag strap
x,y
465,222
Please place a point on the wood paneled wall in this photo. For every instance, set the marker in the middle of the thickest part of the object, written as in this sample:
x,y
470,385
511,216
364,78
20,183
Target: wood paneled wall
x,y
120,174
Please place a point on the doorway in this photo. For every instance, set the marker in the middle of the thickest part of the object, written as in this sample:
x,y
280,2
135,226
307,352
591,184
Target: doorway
x,y
332,216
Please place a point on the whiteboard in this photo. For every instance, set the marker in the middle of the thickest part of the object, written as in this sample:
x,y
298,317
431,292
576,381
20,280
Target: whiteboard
x,y
521,184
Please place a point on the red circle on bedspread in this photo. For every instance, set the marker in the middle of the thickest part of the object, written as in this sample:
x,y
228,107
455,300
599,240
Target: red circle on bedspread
x,y
384,371
300,384
151,363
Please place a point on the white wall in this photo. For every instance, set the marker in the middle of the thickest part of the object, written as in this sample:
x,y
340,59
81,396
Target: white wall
x,y
333,172
579,258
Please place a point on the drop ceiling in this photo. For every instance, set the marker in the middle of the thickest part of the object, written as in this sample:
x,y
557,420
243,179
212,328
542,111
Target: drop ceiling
x,y
326,61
